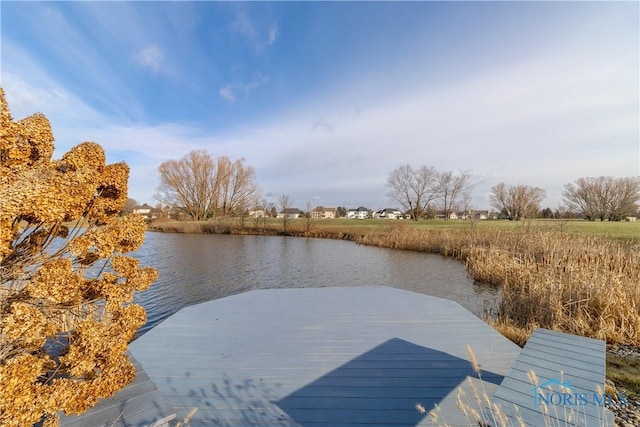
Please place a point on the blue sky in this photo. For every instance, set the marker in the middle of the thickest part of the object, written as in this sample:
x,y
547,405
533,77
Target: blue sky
x,y
324,99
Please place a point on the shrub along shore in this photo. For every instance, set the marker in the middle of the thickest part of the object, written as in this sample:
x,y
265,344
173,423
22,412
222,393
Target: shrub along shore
x,y
568,276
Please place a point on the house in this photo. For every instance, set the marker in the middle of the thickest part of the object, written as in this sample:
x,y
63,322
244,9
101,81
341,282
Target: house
x,y
149,213
388,213
447,215
479,214
258,212
321,212
142,210
360,213
290,213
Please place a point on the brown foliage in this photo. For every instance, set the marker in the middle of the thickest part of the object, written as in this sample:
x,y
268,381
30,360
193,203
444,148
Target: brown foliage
x,y
66,315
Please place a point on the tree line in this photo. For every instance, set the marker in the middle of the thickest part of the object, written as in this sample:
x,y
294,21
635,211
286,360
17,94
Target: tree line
x,y
203,186
423,189
592,198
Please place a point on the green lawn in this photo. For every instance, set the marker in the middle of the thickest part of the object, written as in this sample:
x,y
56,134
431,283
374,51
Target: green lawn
x,y
619,230
622,230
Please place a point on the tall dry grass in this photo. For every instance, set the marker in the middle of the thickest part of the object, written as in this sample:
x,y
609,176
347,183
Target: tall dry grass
x,y
579,284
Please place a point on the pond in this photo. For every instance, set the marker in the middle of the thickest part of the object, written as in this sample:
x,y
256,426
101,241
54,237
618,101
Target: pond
x,y
194,268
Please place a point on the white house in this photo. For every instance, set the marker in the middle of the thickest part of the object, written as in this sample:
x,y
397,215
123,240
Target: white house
x,y
291,213
480,214
389,213
144,210
258,212
149,213
360,213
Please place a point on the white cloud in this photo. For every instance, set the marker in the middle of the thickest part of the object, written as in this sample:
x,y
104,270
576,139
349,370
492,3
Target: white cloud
x,y
257,39
244,26
272,34
227,93
230,91
151,57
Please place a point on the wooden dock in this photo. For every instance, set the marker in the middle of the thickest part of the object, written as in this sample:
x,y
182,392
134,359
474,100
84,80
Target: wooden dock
x,y
326,357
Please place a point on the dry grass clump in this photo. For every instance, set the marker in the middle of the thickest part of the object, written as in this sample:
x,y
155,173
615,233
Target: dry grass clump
x,y
579,284
66,316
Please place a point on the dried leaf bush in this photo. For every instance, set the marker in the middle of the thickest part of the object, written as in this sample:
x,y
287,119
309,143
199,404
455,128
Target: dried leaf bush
x,y
66,289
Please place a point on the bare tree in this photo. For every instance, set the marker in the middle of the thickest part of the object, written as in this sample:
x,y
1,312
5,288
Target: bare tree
x,y
452,189
414,189
189,183
518,201
626,198
235,187
603,197
204,186
284,203
129,205
308,219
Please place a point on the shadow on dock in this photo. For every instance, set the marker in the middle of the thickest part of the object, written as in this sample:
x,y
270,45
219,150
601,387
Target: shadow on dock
x,y
382,387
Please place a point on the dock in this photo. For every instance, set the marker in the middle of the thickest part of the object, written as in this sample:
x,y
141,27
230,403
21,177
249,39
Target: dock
x,y
322,357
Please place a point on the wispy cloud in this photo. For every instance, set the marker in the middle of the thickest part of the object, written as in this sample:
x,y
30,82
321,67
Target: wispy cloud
x,y
256,38
272,34
227,93
231,91
151,57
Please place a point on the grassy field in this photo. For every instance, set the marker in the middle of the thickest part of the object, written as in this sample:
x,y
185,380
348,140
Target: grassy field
x,y
617,230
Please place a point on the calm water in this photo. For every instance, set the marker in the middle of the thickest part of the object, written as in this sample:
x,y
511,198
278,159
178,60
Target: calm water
x,y
194,268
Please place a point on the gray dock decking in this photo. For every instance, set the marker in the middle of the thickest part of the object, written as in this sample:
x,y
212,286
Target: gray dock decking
x,y
321,357
570,373
342,357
